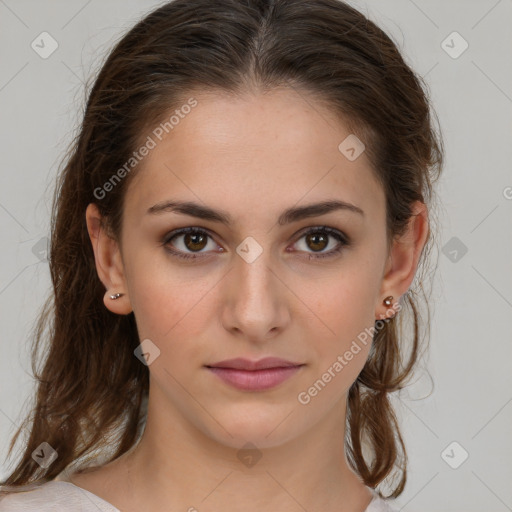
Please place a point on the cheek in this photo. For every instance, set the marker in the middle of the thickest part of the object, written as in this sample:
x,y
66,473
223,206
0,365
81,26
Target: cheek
x,y
172,308
159,295
344,304
344,315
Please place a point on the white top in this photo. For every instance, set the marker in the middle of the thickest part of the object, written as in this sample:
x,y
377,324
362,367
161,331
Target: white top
x,y
61,496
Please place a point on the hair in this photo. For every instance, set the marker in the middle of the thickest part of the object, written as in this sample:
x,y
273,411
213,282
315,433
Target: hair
x,y
91,391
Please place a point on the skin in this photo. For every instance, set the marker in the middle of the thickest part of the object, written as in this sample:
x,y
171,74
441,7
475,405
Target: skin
x,y
253,157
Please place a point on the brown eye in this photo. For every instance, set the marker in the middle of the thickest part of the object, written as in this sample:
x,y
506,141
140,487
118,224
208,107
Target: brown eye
x,y
318,238
317,241
195,242
188,243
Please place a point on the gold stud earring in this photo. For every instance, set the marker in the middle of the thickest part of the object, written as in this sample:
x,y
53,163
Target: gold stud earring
x,y
388,301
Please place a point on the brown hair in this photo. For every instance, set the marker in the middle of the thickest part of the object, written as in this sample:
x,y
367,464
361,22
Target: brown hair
x,y
91,390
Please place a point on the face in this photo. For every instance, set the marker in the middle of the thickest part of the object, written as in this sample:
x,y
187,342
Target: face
x,y
265,284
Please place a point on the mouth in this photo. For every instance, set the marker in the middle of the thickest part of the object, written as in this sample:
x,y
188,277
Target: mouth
x,y
259,375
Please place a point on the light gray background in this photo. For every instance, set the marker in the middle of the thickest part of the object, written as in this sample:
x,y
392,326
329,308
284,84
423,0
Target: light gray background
x,y
470,359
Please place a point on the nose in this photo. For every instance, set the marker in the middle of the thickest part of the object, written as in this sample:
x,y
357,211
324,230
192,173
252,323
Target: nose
x,y
255,299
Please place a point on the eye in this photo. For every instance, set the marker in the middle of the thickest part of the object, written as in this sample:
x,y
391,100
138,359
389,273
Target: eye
x,y
192,239
317,238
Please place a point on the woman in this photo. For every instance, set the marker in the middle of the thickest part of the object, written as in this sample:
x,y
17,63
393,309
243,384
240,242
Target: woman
x,y
235,237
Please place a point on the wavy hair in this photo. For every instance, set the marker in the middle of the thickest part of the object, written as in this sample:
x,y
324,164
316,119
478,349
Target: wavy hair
x,y
91,391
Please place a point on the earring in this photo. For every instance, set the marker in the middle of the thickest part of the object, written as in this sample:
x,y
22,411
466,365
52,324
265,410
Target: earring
x,y
387,300
116,296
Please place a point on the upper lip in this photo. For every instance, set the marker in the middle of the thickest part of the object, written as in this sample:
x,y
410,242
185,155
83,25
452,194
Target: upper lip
x,y
240,363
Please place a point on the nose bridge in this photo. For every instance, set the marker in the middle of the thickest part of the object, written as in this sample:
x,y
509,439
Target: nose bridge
x,y
255,303
253,268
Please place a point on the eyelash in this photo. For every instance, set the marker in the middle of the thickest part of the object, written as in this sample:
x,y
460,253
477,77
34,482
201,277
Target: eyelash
x,y
343,240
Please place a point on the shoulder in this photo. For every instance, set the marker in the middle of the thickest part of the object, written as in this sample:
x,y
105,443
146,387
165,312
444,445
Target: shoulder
x,y
53,496
376,505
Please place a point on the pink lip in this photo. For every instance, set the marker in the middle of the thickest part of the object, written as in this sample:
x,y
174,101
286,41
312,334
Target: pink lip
x,y
255,375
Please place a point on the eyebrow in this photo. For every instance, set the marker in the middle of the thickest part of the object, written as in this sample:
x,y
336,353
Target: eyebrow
x,y
287,217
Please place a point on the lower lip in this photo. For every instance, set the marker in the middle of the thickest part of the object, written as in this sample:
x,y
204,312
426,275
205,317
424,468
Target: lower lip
x,y
256,380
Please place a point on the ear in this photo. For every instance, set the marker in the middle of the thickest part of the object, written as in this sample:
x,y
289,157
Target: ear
x,y
109,264
403,260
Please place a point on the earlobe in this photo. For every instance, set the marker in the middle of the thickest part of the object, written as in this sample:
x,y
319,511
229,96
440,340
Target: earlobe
x,y
109,264
122,307
404,256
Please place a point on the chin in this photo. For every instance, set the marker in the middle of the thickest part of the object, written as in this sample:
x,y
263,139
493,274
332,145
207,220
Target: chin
x,y
258,425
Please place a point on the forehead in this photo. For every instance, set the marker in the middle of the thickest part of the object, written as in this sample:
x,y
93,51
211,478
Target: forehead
x,y
252,153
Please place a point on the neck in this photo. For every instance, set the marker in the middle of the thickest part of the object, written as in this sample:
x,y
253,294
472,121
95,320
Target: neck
x,y
177,466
